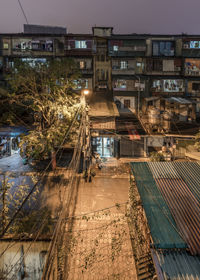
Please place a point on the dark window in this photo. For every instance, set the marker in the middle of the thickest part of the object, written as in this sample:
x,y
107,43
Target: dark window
x,y
154,65
118,104
163,48
196,86
127,103
157,65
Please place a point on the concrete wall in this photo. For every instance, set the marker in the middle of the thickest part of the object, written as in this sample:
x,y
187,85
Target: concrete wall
x,y
31,255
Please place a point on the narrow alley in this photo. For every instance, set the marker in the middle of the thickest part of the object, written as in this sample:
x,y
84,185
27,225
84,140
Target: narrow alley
x,y
100,244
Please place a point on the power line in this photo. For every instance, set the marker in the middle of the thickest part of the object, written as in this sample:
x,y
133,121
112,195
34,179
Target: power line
x,y
35,185
44,219
60,229
23,11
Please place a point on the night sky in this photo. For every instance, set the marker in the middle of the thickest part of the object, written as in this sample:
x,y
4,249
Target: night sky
x,y
126,16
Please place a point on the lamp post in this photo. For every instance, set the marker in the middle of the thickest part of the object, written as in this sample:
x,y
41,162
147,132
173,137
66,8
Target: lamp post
x,y
87,146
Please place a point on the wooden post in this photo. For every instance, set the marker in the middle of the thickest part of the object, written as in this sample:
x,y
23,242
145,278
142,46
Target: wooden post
x,y
53,160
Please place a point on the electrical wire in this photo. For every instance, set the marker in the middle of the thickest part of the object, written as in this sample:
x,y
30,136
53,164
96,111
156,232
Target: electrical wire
x,y
23,11
15,242
42,176
31,242
59,232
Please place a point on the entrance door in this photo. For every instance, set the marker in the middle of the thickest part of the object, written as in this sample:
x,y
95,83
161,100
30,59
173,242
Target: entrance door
x,y
104,146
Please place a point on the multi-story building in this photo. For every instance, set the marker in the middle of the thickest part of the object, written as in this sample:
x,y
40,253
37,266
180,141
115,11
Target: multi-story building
x,y
121,71
127,54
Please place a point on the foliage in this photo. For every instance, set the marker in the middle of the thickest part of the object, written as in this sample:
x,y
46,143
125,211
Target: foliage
x,y
197,141
46,93
155,156
40,222
11,198
2,275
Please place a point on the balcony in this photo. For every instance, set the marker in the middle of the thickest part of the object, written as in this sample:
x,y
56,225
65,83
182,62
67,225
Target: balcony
x,y
195,73
34,52
164,73
194,93
128,51
119,71
86,71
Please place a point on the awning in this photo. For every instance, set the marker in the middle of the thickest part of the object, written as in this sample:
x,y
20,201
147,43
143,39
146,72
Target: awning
x,y
152,98
179,100
12,131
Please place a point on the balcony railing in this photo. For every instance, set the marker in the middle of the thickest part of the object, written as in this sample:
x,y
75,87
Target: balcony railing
x,y
119,71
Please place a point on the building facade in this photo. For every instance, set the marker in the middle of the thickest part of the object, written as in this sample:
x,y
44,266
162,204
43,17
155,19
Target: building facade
x,y
127,70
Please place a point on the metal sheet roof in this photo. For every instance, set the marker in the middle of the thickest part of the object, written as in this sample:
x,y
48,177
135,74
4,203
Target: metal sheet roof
x,y
179,100
182,203
163,228
176,265
179,184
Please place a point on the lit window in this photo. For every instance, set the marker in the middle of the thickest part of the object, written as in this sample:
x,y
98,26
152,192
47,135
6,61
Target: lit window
x,y
80,45
123,64
115,48
79,84
33,61
173,85
194,44
120,84
5,46
82,64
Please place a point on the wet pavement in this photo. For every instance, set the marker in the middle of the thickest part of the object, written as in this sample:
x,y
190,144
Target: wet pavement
x,y
101,246
13,163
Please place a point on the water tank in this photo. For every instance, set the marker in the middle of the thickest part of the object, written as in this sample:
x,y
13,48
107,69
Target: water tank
x,y
167,116
154,116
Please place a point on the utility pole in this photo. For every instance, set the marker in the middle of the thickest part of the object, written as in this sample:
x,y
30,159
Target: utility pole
x,y
4,189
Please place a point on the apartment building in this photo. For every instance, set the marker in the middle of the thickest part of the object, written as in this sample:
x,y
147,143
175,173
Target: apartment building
x,y
127,73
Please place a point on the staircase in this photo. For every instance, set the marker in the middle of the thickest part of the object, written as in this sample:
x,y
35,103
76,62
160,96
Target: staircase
x,y
145,268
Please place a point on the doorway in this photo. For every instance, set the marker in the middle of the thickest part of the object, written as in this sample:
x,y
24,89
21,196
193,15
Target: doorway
x,y
104,146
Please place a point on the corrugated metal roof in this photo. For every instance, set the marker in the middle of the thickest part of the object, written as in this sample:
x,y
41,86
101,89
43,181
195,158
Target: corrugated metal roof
x,y
185,208
191,176
179,100
161,223
176,265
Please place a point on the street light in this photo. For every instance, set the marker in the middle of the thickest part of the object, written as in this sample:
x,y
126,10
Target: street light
x,y
87,144
86,92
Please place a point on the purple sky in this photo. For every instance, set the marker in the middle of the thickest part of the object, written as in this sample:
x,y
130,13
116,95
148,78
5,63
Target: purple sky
x,y
126,16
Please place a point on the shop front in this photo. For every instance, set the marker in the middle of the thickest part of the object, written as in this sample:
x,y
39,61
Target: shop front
x,y
103,145
9,140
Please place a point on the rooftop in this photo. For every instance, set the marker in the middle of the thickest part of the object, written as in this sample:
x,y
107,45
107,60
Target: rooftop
x,y
100,106
170,194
